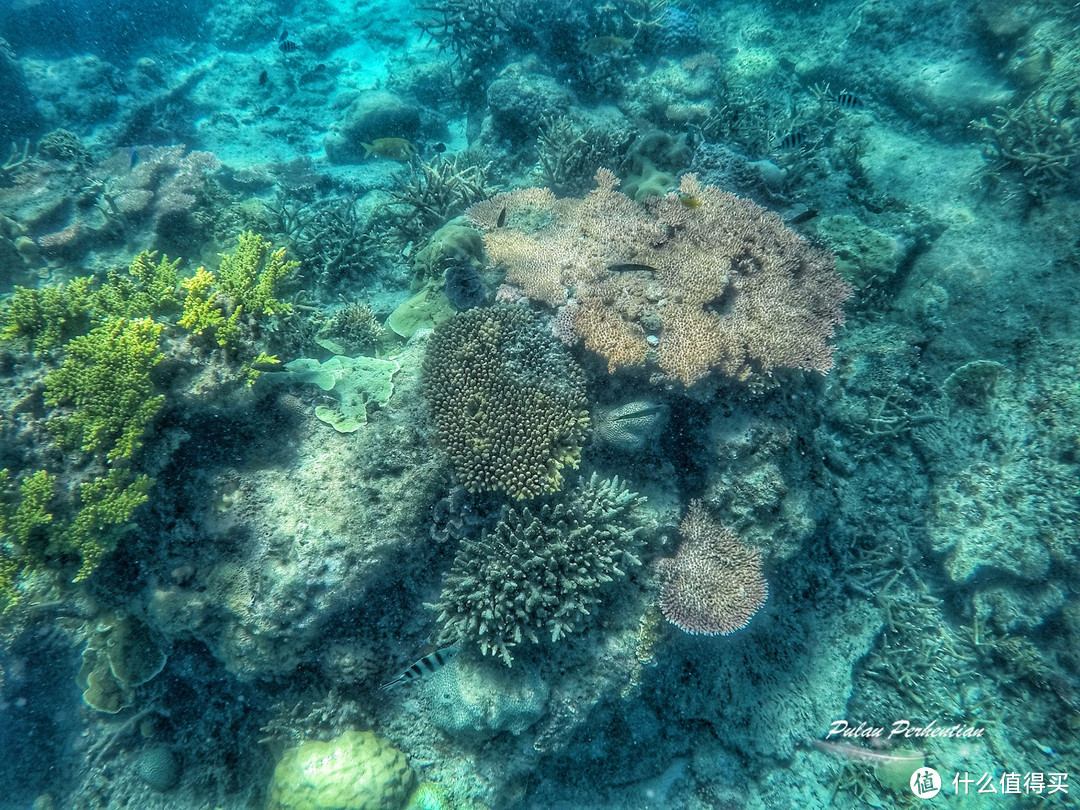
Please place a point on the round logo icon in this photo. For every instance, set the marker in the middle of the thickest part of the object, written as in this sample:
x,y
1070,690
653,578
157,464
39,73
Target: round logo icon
x,y
926,783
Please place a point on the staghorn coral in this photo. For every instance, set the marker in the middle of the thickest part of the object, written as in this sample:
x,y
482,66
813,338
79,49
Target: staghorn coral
x,y
1035,144
710,280
540,571
508,401
713,585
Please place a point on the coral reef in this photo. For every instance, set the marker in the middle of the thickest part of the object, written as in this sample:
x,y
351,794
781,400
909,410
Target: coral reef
x,y
507,399
699,280
541,570
713,585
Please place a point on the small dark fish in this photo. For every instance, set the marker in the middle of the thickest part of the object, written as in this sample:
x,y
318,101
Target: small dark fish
x,y
599,46
501,220
284,35
421,669
632,268
273,109
134,158
803,216
263,77
848,100
319,68
288,46
793,140
439,147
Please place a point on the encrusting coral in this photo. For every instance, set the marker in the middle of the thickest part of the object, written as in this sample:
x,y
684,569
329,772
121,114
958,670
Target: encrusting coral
x,y
699,280
713,586
541,571
508,401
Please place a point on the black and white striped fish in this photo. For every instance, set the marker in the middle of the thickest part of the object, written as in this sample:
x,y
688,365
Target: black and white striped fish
x,y
426,666
848,100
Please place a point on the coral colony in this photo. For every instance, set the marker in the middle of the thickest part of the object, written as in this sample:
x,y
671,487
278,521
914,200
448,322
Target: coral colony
x,y
485,404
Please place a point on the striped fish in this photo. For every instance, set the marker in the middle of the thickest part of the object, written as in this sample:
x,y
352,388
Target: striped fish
x,y
848,100
428,665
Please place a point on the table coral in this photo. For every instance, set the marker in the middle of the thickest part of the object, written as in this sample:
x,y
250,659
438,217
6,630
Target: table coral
x,y
698,280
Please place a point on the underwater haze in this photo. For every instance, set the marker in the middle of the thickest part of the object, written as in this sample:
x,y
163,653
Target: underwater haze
x,y
539,404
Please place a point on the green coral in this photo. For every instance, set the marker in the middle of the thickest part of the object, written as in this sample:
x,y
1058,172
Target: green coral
x,y
203,314
354,382
146,289
105,376
48,317
23,517
251,274
507,399
246,282
541,571
107,506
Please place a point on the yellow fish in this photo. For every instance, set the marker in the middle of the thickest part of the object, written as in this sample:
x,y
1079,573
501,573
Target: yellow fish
x,y
390,148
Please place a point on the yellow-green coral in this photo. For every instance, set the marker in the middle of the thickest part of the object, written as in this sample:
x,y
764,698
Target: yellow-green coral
x,y
203,314
47,317
23,515
105,377
251,274
146,289
108,504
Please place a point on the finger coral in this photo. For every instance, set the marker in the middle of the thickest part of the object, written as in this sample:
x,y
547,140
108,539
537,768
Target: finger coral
x,y
507,399
541,570
695,281
714,585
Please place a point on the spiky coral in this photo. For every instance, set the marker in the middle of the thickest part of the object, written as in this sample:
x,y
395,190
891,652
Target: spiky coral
x,y
541,570
107,506
48,317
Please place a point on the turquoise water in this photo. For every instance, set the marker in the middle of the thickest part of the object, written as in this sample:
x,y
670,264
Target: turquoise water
x,y
537,404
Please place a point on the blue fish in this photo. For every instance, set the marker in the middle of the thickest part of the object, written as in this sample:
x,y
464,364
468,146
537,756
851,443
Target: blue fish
x,y
428,665
134,158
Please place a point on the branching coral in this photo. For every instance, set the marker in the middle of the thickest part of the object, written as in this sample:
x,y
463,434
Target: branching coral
x,y
713,585
708,279
105,376
24,516
508,401
246,282
49,316
437,192
1037,142
541,571
107,506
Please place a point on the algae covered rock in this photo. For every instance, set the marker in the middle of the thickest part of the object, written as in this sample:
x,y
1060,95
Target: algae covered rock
x,y
357,771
